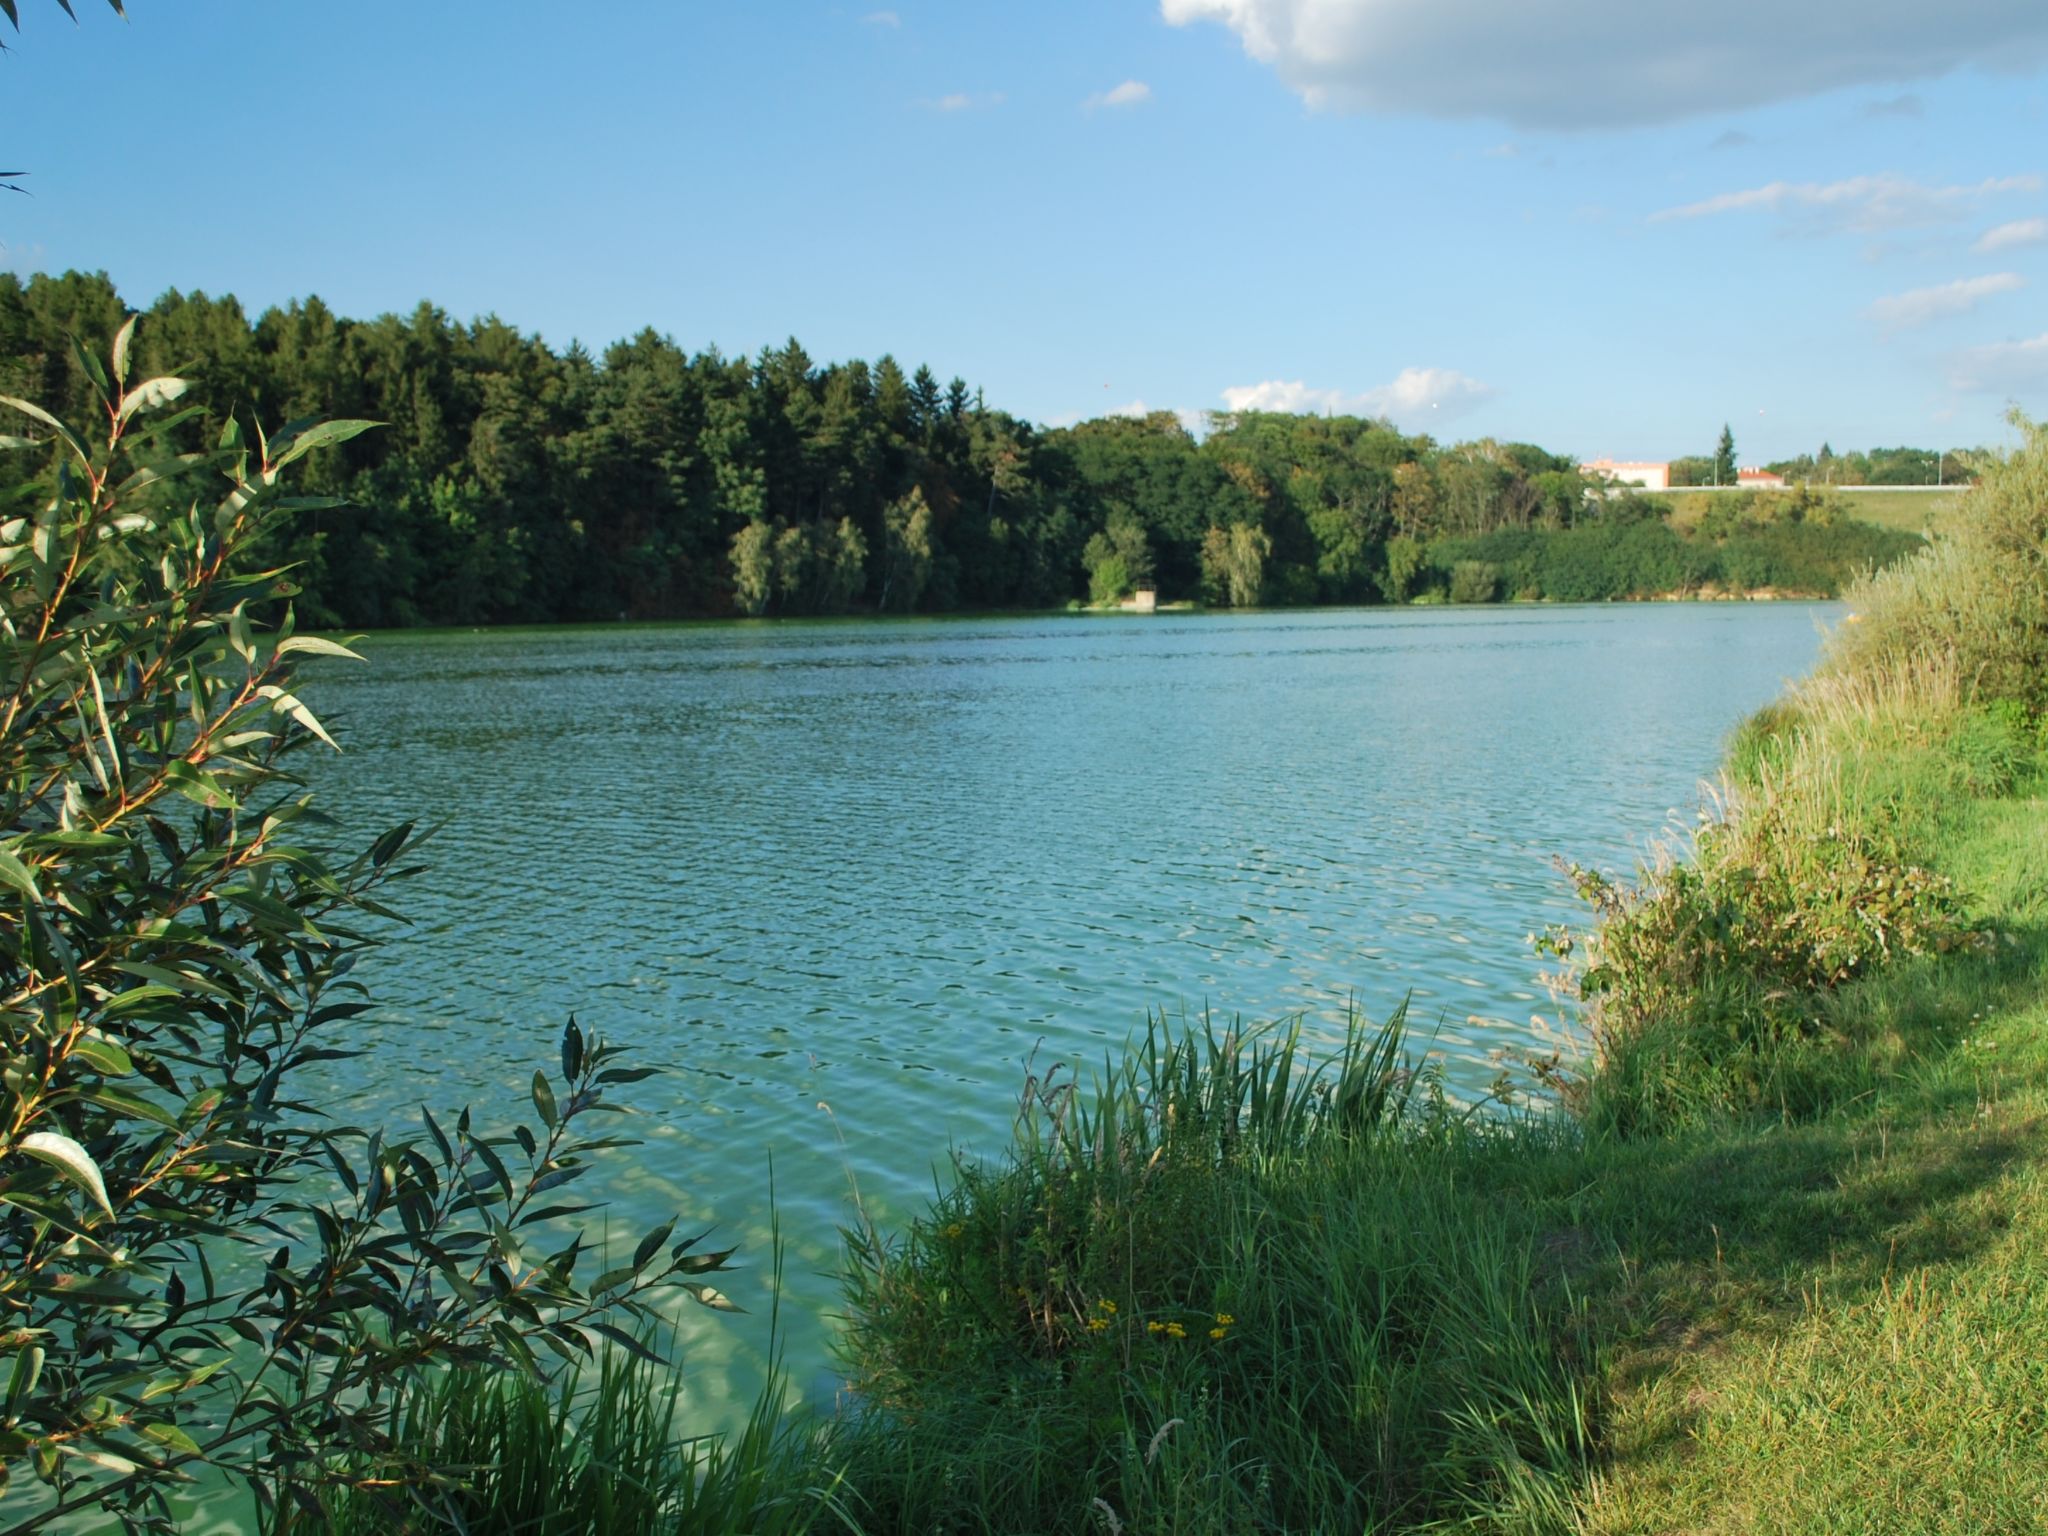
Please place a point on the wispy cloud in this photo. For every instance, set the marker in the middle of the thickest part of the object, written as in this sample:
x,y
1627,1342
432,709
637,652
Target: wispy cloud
x,y
964,101
1920,306
1414,397
2003,368
1733,138
1132,93
1907,105
1862,204
2010,237
882,19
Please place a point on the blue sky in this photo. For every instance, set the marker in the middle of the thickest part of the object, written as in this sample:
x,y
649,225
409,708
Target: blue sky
x,y
1583,224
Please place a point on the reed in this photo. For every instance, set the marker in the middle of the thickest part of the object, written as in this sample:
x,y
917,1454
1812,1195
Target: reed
x,y
1230,1283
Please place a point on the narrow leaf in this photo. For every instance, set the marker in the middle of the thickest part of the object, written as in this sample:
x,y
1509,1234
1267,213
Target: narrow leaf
x,y
121,339
69,1159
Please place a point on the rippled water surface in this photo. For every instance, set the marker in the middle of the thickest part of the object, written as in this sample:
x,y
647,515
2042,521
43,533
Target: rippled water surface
x,y
873,864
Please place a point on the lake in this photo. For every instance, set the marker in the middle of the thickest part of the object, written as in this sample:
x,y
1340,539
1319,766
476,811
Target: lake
x,y
876,865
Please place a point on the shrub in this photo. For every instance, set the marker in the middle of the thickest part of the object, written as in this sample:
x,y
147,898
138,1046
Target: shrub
x,y
1978,595
196,1267
1475,581
1702,974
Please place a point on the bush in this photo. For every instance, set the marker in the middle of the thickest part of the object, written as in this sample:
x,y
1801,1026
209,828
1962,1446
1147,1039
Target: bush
x,y
1711,981
197,1268
1475,581
1978,596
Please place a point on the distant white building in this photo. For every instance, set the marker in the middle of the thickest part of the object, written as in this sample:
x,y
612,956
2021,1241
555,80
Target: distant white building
x,y
1759,480
1651,477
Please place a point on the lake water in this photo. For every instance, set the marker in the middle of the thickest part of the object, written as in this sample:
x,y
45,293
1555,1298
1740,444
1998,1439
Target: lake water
x,y
874,865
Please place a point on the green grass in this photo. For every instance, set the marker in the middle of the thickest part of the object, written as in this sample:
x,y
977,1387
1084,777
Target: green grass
x,y
1909,509
1785,1268
1223,1292
1776,1261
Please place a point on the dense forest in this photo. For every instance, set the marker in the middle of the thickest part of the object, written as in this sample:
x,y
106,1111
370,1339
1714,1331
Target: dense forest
x,y
513,483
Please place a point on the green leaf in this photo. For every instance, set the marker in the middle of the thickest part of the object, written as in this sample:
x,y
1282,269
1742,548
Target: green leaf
x,y
69,1159
289,444
544,1100
195,785
171,1436
121,339
572,1051
650,1245
28,1367
132,1105
150,394
92,367
103,1055
71,438
16,874
287,704
313,645
716,1300
165,1385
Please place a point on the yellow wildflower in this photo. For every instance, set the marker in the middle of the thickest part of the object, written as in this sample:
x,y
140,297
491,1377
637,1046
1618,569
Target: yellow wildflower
x,y
954,1229
1225,1319
1175,1331
1155,1327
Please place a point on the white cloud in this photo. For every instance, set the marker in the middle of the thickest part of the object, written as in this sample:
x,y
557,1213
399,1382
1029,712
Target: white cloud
x,y
1600,63
1862,204
1919,306
2003,368
1908,105
964,101
882,19
1131,93
2006,237
1415,397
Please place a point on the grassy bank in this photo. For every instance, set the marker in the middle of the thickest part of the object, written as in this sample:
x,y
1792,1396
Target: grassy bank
x,y
1744,543
1775,1264
1907,509
1771,1258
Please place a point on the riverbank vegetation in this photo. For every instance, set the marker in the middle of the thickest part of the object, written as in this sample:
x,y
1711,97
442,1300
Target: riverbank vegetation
x,y
202,1274
1770,1260
1773,1262
519,484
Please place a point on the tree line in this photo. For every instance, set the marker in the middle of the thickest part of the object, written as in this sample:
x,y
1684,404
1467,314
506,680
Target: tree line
x,y
516,483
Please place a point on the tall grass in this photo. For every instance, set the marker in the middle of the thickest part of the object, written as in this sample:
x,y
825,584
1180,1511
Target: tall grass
x,y
491,1452
1712,981
1977,597
1225,1287
503,1454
